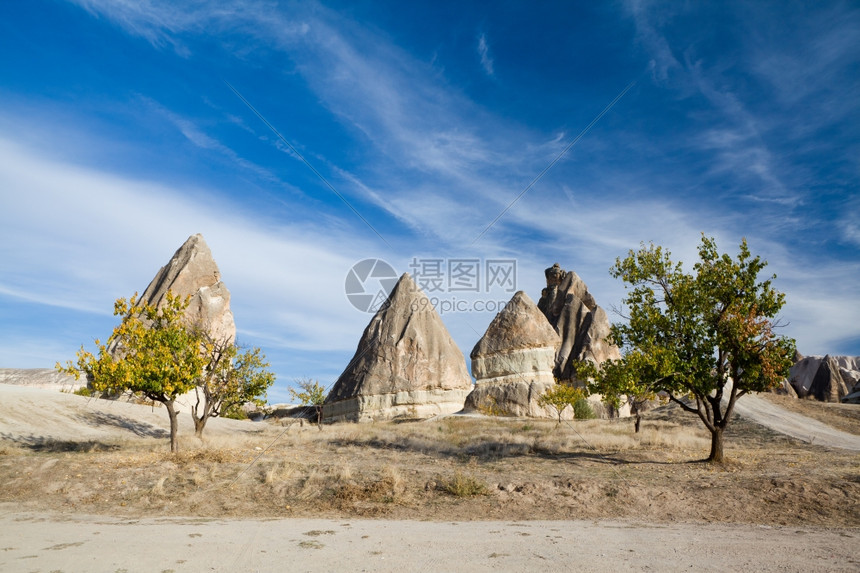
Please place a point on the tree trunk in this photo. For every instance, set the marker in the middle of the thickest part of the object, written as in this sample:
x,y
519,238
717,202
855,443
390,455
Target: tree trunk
x,y
174,425
199,424
716,455
200,421
638,421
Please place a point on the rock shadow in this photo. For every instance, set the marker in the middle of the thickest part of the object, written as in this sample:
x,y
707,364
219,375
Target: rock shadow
x,y
482,451
137,427
51,445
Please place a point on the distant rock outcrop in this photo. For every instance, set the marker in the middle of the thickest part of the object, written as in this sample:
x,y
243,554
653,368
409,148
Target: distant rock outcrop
x,y
581,323
827,378
406,364
192,272
47,378
513,362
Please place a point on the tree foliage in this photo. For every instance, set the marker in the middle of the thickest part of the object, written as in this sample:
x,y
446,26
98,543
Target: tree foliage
x,y
706,336
151,352
563,396
310,393
626,380
232,377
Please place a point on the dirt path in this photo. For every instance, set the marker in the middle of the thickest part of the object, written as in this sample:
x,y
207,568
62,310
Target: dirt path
x,y
55,542
795,425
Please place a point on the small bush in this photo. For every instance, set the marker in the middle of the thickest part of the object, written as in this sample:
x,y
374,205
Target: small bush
x,y
562,395
582,410
234,412
83,391
462,485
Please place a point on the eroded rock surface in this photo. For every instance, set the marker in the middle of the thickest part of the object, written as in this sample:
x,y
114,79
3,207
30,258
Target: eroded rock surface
x,y
47,378
192,271
826,378
581,323
406,364
514,360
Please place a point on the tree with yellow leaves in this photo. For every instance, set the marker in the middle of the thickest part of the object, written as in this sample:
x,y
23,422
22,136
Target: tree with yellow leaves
x,y
151,352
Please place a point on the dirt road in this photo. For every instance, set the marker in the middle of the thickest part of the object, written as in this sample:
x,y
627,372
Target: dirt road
x,y
51,542
795,425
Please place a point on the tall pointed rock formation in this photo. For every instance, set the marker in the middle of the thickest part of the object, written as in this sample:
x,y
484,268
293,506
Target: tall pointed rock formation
x,y
192,272
581,323
406,364
513,362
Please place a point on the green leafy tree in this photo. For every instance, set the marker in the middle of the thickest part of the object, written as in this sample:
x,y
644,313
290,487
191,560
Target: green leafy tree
x,y
706,336
232,377
563,396
626,380
151,352
310,393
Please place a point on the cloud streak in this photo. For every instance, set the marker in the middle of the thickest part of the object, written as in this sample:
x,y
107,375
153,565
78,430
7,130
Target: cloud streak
x,y
484,55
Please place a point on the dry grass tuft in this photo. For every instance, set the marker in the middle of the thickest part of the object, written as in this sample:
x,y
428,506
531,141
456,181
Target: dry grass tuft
x,y
203,455
345,474
313,484
462,485
158,488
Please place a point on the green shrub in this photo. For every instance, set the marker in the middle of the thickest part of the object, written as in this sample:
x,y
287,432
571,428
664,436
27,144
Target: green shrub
x,y
564,394
582,410
83,391
234,412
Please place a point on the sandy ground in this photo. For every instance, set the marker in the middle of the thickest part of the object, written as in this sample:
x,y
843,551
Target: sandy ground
x,y
50,542
88,486
31,416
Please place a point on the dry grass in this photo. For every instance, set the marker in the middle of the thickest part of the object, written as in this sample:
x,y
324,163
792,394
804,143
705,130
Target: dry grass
x,y
456,467
464,485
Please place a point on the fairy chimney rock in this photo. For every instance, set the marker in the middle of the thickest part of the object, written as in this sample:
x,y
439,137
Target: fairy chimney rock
x,y
192,272
406,364
514,360
581,323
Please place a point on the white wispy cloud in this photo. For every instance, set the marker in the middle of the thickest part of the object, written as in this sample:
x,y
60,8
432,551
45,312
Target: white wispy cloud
x,y
79,238
484,54
413,120
802,71
663,61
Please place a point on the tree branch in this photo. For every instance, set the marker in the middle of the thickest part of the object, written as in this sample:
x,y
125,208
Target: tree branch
x,y
683,405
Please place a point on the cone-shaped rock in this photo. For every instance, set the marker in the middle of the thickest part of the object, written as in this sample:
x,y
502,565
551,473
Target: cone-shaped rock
x,y
581,323
406,364
828,378
513,361
192,272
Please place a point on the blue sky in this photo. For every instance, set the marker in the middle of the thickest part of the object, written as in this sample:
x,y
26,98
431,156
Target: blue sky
x,y
120,137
